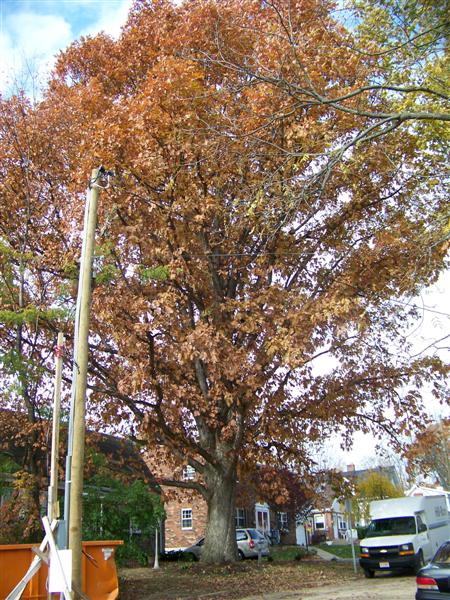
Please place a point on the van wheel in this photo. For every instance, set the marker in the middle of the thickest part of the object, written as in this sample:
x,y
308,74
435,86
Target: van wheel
x,y
420,562
369,573
240,555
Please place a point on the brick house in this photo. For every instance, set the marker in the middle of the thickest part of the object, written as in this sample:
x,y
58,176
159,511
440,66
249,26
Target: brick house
x,y
186,515
328,524
186,510
186,519
121,458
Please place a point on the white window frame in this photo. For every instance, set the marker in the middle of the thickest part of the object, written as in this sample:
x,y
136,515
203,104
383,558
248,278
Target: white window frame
x,y
188,473
240,518
319,522
262,517
186,516
282,520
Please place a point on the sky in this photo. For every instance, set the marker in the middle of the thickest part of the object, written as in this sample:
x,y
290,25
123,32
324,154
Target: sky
x,y
426,336
32,32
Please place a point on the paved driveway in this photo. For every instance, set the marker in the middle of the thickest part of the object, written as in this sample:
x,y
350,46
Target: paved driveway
x,y
384,586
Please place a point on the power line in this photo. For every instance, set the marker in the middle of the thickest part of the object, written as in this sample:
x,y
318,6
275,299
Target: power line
x,y
402,303
425,308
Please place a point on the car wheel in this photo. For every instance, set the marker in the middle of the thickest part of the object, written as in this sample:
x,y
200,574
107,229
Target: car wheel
x,y
369,573
188,557
420,562
240,555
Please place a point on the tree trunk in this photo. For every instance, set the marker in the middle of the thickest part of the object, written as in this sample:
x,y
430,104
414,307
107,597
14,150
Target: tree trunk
x,y
220,541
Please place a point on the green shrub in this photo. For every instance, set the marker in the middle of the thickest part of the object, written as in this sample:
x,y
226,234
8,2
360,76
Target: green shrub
x,y
113,510
302,553
129,554
187,557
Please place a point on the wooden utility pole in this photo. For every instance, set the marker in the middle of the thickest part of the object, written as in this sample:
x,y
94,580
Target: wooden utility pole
x,y
79,407
52,503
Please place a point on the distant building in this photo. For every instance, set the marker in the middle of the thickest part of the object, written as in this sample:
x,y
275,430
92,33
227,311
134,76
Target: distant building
x,y
331,523
389,471
422,490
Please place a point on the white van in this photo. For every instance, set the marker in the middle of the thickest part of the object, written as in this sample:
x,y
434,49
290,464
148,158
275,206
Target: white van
x,y
404,533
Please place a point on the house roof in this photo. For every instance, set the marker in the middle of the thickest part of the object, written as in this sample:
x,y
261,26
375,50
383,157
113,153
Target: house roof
x,y
423,490
121,456
389,471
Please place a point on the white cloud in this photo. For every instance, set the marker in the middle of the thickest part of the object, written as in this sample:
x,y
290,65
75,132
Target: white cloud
x,y
28,45
6,54
111,16
39,35
30,40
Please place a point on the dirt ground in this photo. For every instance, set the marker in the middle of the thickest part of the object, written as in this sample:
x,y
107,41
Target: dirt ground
x,y
270,581
385,587
194,581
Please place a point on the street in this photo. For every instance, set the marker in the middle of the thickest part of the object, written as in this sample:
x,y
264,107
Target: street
x,y
384,586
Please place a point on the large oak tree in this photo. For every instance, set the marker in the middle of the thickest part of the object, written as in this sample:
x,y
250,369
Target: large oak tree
x,y
259,224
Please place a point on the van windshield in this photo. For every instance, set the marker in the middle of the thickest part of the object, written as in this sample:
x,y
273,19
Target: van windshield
x,y
392,526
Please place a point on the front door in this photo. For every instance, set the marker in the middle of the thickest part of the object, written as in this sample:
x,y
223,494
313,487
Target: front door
x,y
262,519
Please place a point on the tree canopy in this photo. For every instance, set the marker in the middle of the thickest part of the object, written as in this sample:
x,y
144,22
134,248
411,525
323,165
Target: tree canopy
x,y
376,485
429,454
31,242
269,205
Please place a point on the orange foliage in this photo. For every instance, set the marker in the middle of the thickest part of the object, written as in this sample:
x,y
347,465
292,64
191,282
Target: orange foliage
x,y
235,246
429,454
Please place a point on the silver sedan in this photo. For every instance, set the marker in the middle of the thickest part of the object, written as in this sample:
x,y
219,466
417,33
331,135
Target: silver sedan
x,y
249,541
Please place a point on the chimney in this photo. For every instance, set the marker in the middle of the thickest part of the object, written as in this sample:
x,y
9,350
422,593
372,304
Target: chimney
x,y
351,468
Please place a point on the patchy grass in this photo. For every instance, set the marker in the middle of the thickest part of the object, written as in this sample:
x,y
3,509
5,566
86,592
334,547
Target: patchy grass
x,y
341,550
286,553
194,581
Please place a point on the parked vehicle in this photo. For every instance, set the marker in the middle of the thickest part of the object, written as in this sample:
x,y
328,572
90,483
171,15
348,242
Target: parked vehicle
x,y
404,533
433,581
249,541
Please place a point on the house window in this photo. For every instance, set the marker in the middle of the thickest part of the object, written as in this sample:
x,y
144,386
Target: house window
x,y
319,521
188,473
240,519
186,518
341,522
282,520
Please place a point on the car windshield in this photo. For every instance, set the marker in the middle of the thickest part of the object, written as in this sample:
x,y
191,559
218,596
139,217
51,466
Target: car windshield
x,y
392,526
443,554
